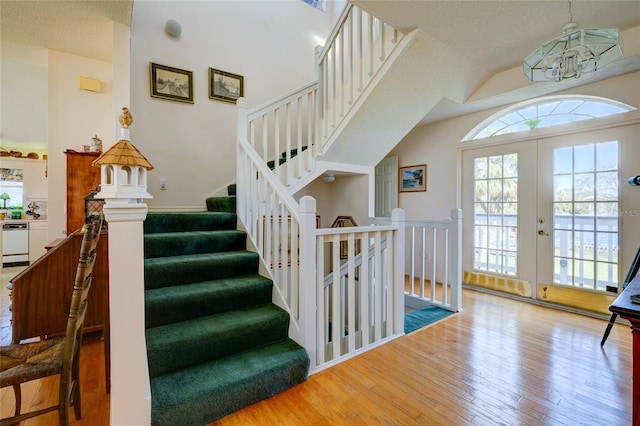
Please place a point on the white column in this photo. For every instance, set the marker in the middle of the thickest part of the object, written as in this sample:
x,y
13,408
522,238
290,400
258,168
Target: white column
x,y
307,291
456,260
398,218
130,388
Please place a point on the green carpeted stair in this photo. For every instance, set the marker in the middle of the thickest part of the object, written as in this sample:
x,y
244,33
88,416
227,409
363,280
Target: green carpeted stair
x,y
215,342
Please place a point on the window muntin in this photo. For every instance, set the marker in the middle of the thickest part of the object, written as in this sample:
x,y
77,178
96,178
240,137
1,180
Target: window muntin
x,y
546,112
585,215
496,214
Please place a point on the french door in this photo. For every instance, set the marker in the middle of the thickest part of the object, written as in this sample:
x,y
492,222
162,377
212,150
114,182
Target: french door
x,y
555,210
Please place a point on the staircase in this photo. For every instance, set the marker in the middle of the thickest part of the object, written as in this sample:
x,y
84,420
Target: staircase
x,y
215,341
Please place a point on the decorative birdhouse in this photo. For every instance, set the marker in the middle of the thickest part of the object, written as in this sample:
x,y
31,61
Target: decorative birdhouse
x,y
123,169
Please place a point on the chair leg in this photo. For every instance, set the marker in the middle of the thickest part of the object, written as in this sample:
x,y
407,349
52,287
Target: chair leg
x,y
76,395
18,395
612,321
17,392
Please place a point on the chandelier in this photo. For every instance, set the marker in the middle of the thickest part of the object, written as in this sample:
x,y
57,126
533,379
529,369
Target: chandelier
x,y
574,53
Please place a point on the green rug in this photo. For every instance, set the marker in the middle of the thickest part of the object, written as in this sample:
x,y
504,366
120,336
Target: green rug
x,y
423,317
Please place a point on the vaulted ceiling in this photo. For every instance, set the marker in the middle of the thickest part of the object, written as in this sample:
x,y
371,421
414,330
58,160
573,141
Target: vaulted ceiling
x,y
494,35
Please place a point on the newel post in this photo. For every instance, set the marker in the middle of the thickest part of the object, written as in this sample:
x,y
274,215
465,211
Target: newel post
x,y
456,260
398,218
123,187
307,284
242,184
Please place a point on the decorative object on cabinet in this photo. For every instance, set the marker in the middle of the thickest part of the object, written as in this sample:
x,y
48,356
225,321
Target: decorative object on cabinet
x,y
225,86
413,178
92,206
82,178
96,144
171,83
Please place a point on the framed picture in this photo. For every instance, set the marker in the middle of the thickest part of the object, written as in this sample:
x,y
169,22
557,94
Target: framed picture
x,y
413,178
225,86
171,83
346,222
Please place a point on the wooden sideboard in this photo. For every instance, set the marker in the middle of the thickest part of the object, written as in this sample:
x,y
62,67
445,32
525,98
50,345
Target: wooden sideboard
x,y
82,178
631,312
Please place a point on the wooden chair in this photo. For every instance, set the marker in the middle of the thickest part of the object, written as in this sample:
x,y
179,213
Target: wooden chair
x,y
23,362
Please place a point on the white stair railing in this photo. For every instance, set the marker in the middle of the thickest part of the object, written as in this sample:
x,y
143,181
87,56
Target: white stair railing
x,y
358,48
277,146
291,131
433,266
359,285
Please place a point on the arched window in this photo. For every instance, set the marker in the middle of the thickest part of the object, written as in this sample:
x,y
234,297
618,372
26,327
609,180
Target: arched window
x,y
546,112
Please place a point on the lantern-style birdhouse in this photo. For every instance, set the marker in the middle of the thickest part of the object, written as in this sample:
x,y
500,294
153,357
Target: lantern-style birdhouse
x,y
123,169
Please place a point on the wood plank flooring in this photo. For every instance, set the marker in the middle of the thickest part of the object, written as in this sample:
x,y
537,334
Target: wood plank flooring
x,y
499,362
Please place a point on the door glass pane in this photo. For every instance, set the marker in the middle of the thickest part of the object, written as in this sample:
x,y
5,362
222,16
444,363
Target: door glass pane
x,y
496,214
585,219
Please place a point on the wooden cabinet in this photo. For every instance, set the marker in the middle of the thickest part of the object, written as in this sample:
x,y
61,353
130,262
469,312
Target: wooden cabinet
x,y
82,178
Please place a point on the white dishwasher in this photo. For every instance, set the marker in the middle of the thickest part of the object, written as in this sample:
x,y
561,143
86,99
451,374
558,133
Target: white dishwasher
x,y
15,243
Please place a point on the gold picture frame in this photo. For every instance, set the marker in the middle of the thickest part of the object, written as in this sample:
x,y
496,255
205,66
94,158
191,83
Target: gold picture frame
x,y
225,86
171,83
346,222
413,178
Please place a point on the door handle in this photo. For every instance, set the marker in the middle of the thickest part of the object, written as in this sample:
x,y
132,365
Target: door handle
x,y
542,233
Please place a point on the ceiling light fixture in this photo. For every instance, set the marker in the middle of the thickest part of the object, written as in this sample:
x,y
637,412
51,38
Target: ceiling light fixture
x,y
173,28
329,177
574,53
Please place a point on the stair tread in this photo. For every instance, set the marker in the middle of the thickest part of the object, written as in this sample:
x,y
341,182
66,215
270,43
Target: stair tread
x,y
181,221
178,303
212,390
218,323
179,345
165,244
199,257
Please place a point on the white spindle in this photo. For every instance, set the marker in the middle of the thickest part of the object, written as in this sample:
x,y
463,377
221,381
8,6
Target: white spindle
x,y
287,155
351,295
336,333
321,317
434,255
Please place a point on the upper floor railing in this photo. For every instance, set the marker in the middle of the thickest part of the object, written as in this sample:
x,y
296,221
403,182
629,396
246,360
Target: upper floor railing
x,y
433,263
291,131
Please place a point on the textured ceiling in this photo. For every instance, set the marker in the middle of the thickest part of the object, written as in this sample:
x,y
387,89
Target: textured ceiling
x,y
80,27
492,35
497,35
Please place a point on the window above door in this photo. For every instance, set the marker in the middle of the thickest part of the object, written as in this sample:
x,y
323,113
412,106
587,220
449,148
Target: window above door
x,y
546,112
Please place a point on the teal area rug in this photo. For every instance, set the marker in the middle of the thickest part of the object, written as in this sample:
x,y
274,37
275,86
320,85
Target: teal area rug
x,y
423,317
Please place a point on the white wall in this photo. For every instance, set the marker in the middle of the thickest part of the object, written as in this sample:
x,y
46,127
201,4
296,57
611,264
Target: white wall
x,y
75,116
193,145
438,146
346,196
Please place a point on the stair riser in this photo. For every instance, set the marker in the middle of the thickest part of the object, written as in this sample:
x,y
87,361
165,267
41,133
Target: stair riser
x,y
191,221
183,243
168,305
177,270
209,338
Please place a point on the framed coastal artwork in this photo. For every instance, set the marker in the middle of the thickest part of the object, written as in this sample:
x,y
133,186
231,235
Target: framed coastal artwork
x,y
171,83
413,178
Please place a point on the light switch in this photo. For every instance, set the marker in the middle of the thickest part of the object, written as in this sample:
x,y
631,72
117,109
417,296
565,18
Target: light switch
x,y
163,183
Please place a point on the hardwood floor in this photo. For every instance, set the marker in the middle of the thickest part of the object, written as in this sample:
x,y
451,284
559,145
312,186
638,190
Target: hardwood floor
x,y
499,361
